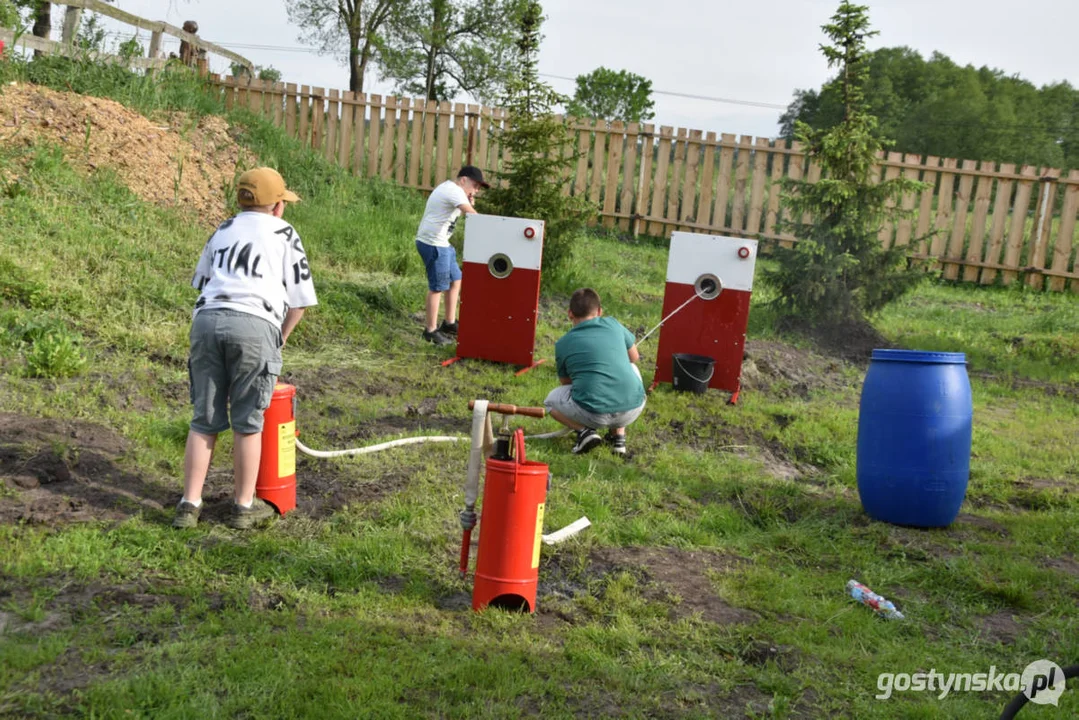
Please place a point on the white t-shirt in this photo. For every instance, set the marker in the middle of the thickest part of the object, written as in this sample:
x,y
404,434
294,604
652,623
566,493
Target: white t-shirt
x,y
254,263
440,215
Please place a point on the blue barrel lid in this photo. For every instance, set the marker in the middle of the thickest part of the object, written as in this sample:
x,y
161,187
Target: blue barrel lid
x,y
921,356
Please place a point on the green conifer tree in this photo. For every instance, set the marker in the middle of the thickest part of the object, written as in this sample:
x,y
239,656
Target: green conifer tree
x,y
838,272
538,141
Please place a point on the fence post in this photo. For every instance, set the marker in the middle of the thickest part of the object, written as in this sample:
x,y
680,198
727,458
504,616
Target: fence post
x,y
71,25
473,118
155,44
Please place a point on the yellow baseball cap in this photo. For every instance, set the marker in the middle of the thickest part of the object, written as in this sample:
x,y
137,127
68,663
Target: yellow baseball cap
x,y
263,186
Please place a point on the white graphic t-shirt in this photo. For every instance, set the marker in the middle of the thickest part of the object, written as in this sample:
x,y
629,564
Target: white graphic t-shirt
x,y
440,216
254,263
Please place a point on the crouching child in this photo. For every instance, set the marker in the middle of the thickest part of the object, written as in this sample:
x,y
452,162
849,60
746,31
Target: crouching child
x,y
601,386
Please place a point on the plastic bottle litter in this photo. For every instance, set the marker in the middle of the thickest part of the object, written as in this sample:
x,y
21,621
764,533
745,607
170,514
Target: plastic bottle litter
x,y
878,604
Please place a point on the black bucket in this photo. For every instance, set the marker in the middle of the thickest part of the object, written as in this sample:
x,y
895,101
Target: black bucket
x,y
692,373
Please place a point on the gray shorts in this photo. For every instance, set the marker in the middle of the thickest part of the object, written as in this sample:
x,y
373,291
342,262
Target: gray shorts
x,y
235,360
561,399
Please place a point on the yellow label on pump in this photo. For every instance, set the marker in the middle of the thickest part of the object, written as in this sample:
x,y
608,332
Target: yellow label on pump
x,y
539,535
286,449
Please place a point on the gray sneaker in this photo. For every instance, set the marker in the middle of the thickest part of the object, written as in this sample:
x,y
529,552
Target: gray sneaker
x,y
436,337
187,515
243,518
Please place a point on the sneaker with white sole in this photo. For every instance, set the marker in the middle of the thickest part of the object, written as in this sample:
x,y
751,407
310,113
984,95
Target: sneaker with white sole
x,y
617,443
187,514
586,440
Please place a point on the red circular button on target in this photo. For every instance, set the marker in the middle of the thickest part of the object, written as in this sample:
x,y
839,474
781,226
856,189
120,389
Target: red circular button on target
x,y
530,232
743,252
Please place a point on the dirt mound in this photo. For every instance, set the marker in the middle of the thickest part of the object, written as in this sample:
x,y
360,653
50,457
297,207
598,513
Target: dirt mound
x,y
175,162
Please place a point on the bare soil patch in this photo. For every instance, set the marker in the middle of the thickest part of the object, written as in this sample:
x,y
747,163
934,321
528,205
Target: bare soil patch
x,y
851,342
973,525
678,577
322,488
1068,390
791,371
323,382
999,627
412,422
170,162
715,435
59,471
1066,564
62,471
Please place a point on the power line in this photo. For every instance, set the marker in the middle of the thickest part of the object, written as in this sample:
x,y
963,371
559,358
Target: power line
x,y
710,98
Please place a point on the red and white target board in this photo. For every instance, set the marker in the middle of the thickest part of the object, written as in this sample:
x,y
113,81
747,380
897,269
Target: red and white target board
x,y
500,288
712,276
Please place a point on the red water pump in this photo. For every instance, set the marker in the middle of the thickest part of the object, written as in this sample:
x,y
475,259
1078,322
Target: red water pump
x,y
514,496
277,470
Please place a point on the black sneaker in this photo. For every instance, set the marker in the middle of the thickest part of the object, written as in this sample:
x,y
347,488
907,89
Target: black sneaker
x,y
187,515
243,518
586,440
617,443
436,337
448,328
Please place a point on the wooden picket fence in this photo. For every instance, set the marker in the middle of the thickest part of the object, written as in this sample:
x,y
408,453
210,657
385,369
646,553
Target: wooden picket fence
x,y
986,222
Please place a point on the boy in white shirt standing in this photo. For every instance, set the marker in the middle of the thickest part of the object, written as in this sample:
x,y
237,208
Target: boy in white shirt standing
x,y
446,203
254,283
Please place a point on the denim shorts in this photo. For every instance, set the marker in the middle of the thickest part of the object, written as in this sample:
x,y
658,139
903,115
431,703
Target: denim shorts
x,y
235,360
441,266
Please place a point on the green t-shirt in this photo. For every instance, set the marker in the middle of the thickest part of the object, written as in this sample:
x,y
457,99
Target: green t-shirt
x,y
593,355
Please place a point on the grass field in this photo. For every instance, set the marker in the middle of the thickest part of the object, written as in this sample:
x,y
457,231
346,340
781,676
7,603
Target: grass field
x,y
709,585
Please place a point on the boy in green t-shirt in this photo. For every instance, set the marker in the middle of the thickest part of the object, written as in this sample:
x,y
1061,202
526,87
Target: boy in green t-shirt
x,y
601,385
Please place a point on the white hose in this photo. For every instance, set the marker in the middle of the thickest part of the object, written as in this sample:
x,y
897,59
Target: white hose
x,y
480,437
480,423
412,441
375,448
567,532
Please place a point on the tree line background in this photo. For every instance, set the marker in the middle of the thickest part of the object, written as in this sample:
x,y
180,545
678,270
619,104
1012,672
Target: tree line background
x,y
935,107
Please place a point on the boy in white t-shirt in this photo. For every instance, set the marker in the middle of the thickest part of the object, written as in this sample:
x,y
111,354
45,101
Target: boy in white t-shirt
x,y
446,203
254,282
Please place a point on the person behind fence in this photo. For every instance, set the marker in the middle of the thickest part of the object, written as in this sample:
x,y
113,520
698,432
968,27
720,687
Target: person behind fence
x,y
254,282
600,384
446,203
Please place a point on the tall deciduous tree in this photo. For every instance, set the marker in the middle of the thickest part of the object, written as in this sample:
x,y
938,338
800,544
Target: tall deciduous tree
x,y
437,48
345,28
838,272
537,140
612,95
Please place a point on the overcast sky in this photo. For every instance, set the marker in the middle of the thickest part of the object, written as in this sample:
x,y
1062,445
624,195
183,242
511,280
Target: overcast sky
x,y
747,51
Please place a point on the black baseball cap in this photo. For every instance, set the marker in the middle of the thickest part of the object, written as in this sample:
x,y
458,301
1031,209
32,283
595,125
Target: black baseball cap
x,y
474,174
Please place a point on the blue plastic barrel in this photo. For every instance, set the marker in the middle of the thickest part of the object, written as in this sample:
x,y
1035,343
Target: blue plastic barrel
x,y
914,431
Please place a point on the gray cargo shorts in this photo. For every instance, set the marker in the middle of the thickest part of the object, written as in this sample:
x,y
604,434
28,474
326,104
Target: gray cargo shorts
x,y
561,399
235,360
